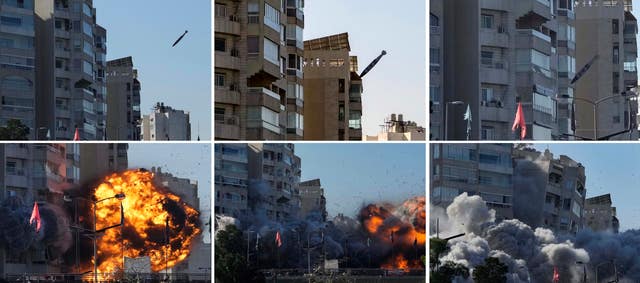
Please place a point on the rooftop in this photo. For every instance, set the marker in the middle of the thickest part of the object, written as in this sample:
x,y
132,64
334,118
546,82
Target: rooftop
x,y
332,42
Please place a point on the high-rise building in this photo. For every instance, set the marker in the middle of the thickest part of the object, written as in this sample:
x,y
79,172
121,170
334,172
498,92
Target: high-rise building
x,y
166,124
600,215
606,29
312,200
99,160
485,170
17,60
123,114
333,101
275,171
34,173
231,180
396,129
70,49
258,73
490,55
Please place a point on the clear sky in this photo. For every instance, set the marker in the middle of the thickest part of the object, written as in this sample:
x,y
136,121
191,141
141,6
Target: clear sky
x,y
397,83
609,168
353,174
192,161
181,76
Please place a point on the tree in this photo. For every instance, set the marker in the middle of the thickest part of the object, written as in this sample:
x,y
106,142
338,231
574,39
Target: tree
x,y
14,131
493,271
448,271
437,247
231,263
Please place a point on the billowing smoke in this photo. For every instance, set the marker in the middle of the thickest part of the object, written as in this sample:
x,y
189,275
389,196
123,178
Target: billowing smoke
x,y
18,236
307,242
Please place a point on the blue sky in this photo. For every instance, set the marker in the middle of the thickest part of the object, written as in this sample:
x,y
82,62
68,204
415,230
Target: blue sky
x,y
610,168
181,76
192,161
353,174
397,83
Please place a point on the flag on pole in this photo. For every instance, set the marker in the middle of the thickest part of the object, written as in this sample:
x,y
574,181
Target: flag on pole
x,y
469,119
520,122
35,216
76,136
278,239
556,275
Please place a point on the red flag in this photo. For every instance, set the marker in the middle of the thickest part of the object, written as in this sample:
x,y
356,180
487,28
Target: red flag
x,y
519,121
35,216
76,136
278,239
556,275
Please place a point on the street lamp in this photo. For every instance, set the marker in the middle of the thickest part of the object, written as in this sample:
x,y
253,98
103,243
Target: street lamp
x,y
446,117
595,105
119,196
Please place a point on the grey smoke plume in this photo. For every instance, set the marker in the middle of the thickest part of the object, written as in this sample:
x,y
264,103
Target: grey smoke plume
x,y
530,180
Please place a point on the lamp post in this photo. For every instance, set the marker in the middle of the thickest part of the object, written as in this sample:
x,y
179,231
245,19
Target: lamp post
x,y
446,117
595,105
95,203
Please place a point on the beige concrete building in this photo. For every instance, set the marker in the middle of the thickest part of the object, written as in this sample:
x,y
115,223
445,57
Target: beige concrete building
x,y
17,60
231,180
396,129
490,55
600,215
312,200
70,81
275,170
99,160
333,90
166,124
123,116
258,72
606,29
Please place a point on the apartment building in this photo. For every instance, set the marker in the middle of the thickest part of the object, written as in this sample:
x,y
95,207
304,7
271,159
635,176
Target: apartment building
x,y
396,129
312,200
258,73
600,215
17,60
34,173
99,160
485,170
333,90
491,55
123,116
606,29
552,193
70,50
166,124
275,172
231,180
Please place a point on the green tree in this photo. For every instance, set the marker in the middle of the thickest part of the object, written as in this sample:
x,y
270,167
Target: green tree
x,y
447,271
231,263
14,131
437,247
493,271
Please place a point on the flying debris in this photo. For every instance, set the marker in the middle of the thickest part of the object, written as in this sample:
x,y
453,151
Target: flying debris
x,y
180,38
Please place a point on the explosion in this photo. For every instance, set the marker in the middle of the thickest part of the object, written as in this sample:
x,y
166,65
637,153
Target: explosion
x,y
156,222
402,228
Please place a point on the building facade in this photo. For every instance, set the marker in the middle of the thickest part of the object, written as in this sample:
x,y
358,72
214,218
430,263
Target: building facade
x,y
600,215
396,129
312,200
274,171
258,73
606,29
485,170
166,124
17,61
231,180
123,116
70,83
100,160
333,90
491,55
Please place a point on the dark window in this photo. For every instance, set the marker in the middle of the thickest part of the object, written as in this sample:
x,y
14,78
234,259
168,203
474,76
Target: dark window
x,y
341,85
615,25
434,21
221,44
253,45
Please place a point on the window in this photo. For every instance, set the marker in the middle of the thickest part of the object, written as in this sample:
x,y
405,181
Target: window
x,y
86,9
486,58
221,10
219,80
341,112
271,51
271,17
615,25
87,29
616,78
253,11
355,120
434,21
488,133
486,21
434,56
253,45
616,55
487,94
341,85
221,44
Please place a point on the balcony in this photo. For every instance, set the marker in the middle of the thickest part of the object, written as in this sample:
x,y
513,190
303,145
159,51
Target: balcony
x,y
499,114
226,131
62,33
494,72
227,96
226,61
265,97
295,72
534,10
225,25
533,39
494,37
